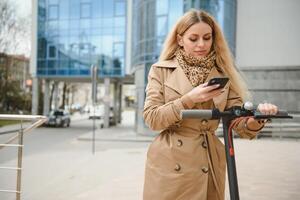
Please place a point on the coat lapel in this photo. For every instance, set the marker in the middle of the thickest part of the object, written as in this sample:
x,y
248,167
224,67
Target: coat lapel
x,y
178,80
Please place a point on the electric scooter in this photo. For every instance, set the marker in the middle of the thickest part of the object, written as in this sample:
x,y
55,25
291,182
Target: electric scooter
x,y
229,118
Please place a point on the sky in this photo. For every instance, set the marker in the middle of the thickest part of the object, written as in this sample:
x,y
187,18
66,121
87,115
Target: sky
x,y
23,7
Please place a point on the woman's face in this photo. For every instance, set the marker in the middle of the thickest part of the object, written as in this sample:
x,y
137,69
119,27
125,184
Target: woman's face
x,y
197,40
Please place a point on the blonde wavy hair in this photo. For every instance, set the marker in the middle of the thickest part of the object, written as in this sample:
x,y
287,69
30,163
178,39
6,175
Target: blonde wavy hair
x,y
224,58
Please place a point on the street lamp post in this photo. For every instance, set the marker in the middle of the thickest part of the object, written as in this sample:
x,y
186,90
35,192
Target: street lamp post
x,y
94,76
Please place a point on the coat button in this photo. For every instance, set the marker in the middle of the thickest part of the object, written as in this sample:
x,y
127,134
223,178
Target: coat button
x,y
179,143
204,121
204,144
204,169
177,167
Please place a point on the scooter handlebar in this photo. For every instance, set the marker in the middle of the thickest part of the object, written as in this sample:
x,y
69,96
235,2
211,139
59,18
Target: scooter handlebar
x,y
279,114
216,114
195,114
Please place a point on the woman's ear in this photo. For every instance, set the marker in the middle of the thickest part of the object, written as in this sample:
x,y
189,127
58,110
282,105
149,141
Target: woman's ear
x,y
179,40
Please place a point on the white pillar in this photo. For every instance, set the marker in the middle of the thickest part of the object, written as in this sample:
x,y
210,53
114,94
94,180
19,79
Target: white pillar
x,y
35,96
106,101
33,60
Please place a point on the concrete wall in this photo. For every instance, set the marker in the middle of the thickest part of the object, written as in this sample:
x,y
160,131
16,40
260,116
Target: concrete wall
x,y
280,86
268,50
268,33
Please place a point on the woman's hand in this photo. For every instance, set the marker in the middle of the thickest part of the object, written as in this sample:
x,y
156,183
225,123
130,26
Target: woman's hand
x,y
204,93
267,109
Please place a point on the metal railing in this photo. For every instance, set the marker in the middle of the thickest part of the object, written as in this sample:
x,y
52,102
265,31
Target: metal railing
x,y
37,121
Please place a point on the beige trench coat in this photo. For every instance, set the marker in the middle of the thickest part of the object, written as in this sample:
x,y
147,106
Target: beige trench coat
x,y
186,161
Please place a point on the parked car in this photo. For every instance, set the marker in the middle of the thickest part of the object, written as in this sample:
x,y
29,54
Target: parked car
x,y
98,113
58,118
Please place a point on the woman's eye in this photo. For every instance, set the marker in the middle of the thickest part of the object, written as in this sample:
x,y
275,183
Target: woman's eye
x,y
208,38
193,39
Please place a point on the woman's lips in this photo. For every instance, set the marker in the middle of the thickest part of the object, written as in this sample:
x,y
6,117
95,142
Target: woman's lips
x,y
200,52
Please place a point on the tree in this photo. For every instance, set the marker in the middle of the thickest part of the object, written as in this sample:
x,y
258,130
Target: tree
x,y
12,97
14,30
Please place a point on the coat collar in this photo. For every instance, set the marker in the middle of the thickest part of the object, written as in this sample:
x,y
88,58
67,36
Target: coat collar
x,y
179,82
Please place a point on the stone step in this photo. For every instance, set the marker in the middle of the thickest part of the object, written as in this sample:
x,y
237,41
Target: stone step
x,y
275,129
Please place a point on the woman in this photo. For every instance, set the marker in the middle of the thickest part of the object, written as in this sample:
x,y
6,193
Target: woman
x,y
186,161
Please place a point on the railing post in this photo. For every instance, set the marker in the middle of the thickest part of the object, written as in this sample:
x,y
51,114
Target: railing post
x,y
20,157
39,120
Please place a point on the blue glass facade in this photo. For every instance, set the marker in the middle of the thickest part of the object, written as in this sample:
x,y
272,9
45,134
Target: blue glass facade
x,y
74,34
152,20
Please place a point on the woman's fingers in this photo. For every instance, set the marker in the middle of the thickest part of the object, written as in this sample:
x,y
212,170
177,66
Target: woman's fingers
x,y
206,88
267,109
214,93
203,92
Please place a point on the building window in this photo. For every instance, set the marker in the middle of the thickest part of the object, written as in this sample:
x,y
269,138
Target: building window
x,y
53,1
162,26
162,7
52,51
118,49
85,10
108,9
120,8
53,12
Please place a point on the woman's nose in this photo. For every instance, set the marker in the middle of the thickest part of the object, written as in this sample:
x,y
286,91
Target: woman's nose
x,y
200,43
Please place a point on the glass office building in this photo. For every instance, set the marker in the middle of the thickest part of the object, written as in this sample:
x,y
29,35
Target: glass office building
x,y
74,34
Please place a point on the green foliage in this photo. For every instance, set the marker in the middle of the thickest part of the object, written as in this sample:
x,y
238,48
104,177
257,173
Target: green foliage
x,y
12,98
8,122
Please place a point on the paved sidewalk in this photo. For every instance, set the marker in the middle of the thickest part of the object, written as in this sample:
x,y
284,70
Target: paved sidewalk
x,y
267,168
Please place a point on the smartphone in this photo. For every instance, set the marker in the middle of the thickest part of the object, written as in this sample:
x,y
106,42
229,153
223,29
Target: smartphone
x,y
222,81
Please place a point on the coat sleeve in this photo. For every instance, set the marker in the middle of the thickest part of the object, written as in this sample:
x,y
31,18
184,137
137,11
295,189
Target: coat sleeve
x,y
235,100
157,113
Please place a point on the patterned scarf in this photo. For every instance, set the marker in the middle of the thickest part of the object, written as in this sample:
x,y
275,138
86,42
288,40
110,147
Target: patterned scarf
x,y
196,69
